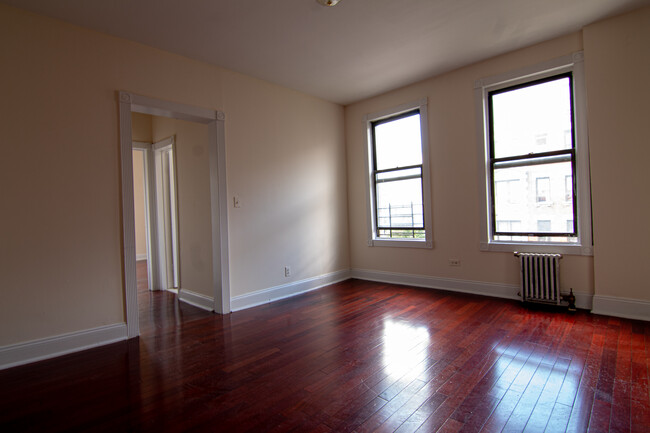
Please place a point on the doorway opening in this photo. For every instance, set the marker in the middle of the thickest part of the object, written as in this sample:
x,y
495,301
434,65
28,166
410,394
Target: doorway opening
x,y
156,214
141,210
217,231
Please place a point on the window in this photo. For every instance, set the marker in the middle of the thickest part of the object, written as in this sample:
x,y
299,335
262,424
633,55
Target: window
x,y
533,131
508,190
542,188
568,139
544,226
569,225
568,188
398,177
508,225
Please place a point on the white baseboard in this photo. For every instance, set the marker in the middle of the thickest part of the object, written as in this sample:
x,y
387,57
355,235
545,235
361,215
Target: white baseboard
x,y
196,299
621,307
37,350
495,290
453,285
286,290
140,257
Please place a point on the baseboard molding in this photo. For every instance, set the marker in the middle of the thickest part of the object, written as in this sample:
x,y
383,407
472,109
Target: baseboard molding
x,y
495,290
196,299
37,350
140,257
276,293
621,307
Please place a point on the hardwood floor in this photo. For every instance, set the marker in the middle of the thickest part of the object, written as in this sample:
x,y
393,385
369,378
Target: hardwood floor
x,y
355,356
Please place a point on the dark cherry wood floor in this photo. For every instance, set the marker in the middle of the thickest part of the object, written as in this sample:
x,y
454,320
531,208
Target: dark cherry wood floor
x,y
354,356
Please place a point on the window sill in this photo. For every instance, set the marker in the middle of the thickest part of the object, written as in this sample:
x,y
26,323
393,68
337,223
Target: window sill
x,y
404,243
529,247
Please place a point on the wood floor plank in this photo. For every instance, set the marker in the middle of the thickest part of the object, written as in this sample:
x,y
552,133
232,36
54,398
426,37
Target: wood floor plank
x,y
356,356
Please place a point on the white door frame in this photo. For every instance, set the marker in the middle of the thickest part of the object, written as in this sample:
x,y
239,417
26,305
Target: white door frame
x,y
128,103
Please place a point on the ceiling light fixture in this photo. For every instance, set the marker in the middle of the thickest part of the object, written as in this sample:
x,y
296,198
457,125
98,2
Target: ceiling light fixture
x,y
328,2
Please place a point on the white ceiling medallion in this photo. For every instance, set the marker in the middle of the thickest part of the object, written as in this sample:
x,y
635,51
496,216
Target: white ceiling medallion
x,y
328,2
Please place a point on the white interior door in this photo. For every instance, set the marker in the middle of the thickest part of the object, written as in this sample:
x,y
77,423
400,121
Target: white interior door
x,y
166,209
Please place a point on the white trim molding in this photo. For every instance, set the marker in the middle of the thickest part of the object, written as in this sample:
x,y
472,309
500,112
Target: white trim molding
x,y
283,291
621,307
494,290
46,348
196,299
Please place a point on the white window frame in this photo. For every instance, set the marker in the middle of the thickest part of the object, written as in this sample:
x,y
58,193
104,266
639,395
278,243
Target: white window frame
x,y
573,63
373,239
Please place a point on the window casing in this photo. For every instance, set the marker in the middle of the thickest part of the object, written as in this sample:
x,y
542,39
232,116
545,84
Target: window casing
x,y
550,162
398,177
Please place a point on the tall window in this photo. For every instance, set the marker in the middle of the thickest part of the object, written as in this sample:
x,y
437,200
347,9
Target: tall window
x,y
533,131
398,177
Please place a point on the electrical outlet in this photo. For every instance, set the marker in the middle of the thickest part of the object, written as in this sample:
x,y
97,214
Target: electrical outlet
x,y
287,271
454,262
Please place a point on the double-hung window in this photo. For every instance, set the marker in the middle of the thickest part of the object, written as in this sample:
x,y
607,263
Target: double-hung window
x,y
533,133
398,177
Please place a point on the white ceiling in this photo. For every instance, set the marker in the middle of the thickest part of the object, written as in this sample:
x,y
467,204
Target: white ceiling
x,y
346,53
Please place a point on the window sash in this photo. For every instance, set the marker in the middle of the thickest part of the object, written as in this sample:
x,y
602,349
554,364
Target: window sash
x,y
383,121
379,216
395,174
490,108
525,163
532,159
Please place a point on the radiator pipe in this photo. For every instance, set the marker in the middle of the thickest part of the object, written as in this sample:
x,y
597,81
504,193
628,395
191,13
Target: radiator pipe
x,y
571,299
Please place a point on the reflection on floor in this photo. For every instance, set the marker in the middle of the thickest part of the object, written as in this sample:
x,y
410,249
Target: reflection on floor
x,y
354,356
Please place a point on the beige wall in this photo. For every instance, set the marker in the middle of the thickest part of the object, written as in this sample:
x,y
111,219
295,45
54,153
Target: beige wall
x,y
454,160
61,173
139,203
141,131
289,171
617,65
193,192
141,127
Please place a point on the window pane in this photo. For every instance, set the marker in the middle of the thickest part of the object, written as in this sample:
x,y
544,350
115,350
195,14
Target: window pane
x,y
533,119
398,143
399,204
535,197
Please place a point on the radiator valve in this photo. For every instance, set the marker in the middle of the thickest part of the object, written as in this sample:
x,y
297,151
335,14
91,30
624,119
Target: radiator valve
x,y
571,299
